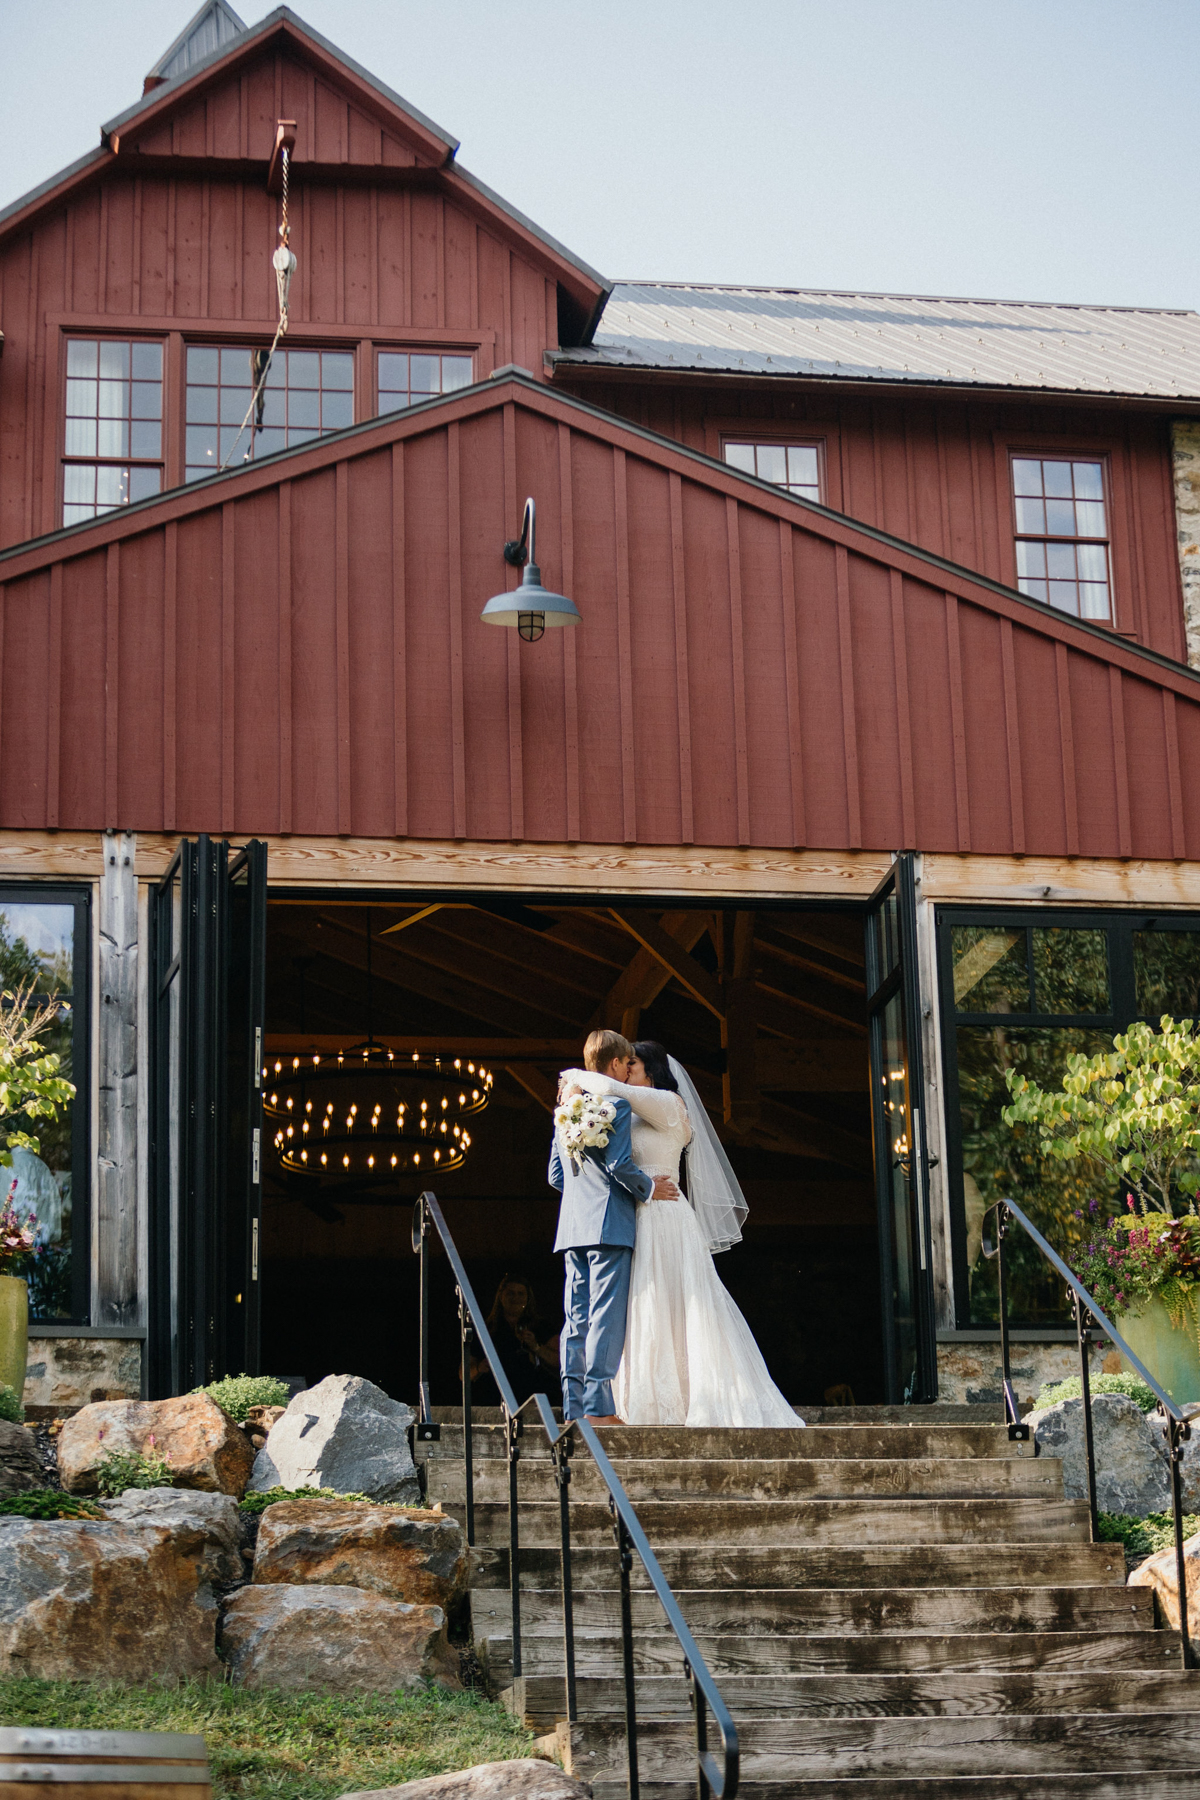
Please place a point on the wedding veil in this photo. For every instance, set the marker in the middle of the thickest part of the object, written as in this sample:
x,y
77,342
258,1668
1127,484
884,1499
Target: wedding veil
x,y
712,1187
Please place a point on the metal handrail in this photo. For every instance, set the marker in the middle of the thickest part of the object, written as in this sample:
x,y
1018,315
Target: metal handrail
x,y
1087,1311
720,1784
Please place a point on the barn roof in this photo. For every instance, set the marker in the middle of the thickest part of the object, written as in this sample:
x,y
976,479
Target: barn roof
x,y
896,338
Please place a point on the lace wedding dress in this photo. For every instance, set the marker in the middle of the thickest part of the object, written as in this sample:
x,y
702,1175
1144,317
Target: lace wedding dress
x,y
690,1358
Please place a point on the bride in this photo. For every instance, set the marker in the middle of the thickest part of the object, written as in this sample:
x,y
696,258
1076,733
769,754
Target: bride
x,y
690,1358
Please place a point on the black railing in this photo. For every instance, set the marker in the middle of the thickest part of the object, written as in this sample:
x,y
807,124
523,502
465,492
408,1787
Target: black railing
x,y
720,1783
1086,1311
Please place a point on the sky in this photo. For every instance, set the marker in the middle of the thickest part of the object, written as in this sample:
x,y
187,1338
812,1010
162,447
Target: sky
x,y
1040,151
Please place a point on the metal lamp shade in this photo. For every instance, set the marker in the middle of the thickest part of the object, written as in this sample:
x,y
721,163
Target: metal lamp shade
x,y
531,609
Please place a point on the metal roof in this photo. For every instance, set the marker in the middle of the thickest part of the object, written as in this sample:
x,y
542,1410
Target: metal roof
x,y
211,29
896,338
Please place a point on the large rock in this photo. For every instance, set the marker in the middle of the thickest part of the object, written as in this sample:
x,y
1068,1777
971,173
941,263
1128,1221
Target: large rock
x,y
1131,1464
20,1469
102,1602
415,1556
527,1779
1158,1572
344,1434
1189,1464
333,1639
203,1527
204,1447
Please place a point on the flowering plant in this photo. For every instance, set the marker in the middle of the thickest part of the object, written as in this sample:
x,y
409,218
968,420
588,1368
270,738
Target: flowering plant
x,y
1143,1256
583,1124
17,1236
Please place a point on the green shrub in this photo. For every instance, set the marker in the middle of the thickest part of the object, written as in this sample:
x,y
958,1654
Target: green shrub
x,y
256,1503
236,1394
1144,1537
10,1405
1072,1389
119,1470
48,1503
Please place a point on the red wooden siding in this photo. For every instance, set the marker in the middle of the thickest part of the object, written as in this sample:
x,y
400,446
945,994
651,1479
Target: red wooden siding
x,y
298,648
935,471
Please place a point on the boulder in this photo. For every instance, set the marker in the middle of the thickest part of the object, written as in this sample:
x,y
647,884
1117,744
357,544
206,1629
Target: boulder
x,y
1158,1572
20,1469
204,1447
344,1434
203,1527
258,1422
102,1602
1131,1463
1189,1465
526,1779
333,1640
415,1556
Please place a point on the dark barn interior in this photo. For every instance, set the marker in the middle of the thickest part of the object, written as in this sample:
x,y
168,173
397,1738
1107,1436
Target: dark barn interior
x,y
766,1008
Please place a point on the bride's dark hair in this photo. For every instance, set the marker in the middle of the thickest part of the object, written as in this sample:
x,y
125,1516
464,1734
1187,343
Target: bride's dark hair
x,y
654,1058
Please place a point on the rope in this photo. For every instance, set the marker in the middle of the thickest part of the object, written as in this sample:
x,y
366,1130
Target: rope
x,y
285,265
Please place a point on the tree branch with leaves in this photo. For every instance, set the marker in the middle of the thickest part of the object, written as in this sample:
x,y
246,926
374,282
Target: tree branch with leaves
x,y
30,1085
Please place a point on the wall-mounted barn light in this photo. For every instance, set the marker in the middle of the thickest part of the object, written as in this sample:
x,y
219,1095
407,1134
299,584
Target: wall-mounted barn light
x,y
532,608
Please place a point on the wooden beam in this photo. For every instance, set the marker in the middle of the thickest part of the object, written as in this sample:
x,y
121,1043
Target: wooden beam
x,y
777,1011
789,1129
813,1066
806,929
675,959
537,1085
412,919
642,980
492,1050
740,1090
796,960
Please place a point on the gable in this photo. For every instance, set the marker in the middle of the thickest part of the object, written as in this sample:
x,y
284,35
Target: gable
x,y
297,648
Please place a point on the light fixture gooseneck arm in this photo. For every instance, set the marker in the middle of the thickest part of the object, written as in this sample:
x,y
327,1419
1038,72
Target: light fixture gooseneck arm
x,y
521,550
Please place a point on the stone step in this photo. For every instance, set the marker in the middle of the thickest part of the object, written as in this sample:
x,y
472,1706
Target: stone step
x,y
802,1566
890,1749
825,1523
886,1440
963,1654
539,1699
718,1481
1175,1784
785,1613
936,1412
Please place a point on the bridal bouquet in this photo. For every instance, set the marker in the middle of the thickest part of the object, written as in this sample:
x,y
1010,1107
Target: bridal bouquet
x,y
583,1122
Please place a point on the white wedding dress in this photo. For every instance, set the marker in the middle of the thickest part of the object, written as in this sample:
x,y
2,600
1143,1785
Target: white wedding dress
x,y
690,1358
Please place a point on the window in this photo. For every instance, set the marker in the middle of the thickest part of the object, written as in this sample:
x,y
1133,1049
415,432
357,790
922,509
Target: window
x,y
406,376
307,393
1062,533
45,944
112,444
1024,991
795,467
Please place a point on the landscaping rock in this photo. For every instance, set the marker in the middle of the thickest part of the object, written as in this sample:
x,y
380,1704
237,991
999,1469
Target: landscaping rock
x,y
1189,1466
415,1556
1131,1464
1158,1572
344,1434
102,1602
333,1640
204,1447
20,1465
204,1527
258,1422
526,1779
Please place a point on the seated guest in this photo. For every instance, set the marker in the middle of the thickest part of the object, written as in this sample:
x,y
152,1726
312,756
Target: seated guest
x,y
530,1365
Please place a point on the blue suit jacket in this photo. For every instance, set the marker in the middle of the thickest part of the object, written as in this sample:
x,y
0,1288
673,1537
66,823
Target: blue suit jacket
x,y
599,1205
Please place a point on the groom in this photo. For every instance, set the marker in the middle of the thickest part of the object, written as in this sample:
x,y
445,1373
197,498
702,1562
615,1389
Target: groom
x,y
597,1227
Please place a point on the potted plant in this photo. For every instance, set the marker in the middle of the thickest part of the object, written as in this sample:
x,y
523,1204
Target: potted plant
x,y
1135,1110
30,1088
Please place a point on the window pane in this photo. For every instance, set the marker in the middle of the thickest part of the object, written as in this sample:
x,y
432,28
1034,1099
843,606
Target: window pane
x,y
202,445
304,407
303,369
82,399
1031,558
235,367
82,356
144,482
1031,517
1060,518
1037,590
1057,478
1089,518
885,941
990,972
740,456
112,486
301,434
1093,600
337,411
1060,562
1027,476
112,437
202,405
75,515
1166,969
802,466
145,438
772,463
337,370
79,484
147,362
1070,970
122,414
114,360
393,371
80,437
425,374
456,373
203,365
1065,595
1092,562
1089,480
114,400
270,439
147,400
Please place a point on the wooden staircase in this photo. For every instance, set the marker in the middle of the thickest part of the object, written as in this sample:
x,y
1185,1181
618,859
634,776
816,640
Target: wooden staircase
x,y
892,1604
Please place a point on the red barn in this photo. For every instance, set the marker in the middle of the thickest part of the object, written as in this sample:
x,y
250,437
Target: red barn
x,y
867,774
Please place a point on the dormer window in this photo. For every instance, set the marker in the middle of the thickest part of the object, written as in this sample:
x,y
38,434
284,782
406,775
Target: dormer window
x,y
112,438
796,467
1062,534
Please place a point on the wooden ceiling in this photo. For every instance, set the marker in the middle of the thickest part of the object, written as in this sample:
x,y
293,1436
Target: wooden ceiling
x,y
766,1009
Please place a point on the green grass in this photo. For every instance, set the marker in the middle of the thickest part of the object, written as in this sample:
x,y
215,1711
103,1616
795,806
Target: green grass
x,y
269,1746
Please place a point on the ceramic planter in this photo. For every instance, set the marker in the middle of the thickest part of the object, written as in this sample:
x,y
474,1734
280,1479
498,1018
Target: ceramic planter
x,y
1170,1352
14,1330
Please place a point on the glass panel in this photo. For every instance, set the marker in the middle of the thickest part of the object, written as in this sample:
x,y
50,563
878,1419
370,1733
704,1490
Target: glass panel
x,y
145,438
1060,518
337,410
202,405
1089,480
203,365
114,360
457,372
202,445
235,367
894,1078
1031,558
425,374
802,465
1037,590
1089,519
233,404
82,354
1057,478
772,463
991,973
112,437
1070,970
80,438
79,485
1065,595
114,400
1166,970
337,369
147,400
304,407
144,482
393,371
885,940
1000,1160
1060,562
82,399
1031,517
740,456
1093,600
270,439
1092,562
147,362
303,369
1027,476
112,486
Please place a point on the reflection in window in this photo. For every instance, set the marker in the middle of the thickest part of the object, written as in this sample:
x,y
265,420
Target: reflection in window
x,y
1070,970
112,433
1062,534
407,376
1166,968
795,467
990,970
307,394
37,951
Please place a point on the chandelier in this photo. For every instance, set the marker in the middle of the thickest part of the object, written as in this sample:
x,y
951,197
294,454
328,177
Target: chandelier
x,y
401,1111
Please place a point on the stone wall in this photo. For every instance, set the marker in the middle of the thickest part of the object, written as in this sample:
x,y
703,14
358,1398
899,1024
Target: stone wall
x,y
1185,451
970,1374
66,1372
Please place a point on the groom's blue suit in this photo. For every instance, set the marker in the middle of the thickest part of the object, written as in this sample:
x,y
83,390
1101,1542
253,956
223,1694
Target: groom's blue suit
x,y
597,1228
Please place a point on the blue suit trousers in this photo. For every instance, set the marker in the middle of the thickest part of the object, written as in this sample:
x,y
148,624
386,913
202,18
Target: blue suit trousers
x,y
596,1301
